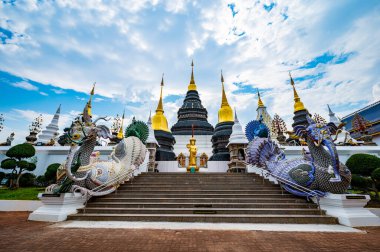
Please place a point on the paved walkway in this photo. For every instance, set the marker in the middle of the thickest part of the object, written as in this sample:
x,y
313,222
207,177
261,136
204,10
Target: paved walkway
x,y
18,234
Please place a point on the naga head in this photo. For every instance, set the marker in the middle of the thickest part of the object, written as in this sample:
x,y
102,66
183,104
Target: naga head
x,y
81,131
320,134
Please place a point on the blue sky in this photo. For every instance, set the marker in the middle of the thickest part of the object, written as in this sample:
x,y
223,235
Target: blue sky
x,y
52,51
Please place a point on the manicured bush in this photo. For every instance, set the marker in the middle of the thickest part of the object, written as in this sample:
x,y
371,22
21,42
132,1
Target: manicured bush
x,y
363,164
20,160
360,182
27,180
51,172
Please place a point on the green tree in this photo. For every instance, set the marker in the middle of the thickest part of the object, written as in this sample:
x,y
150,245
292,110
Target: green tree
x,y
363,164
20,160
51,172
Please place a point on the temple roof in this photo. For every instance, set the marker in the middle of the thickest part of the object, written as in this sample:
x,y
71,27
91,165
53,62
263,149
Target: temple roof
x,y
159,121
225,113
371,113
191,113
237,136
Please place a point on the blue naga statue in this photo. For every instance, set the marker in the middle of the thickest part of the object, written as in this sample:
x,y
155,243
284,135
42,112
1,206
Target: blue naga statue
x,y
320,170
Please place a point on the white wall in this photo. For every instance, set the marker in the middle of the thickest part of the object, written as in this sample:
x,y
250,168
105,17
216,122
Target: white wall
x,y
203,143
57,154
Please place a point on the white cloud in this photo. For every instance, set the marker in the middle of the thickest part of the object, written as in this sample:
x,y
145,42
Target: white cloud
x,y
126,45
25,85
43,93
58,91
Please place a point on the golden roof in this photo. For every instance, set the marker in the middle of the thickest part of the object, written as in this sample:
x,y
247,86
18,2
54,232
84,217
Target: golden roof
x,y
298,105
192,85
225,113
159,121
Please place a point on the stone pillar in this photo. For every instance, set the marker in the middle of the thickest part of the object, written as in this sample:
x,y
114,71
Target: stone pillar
x,y
152,148
237,158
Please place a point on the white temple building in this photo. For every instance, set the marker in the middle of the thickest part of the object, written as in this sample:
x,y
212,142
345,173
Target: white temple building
x,y
332,116
51,131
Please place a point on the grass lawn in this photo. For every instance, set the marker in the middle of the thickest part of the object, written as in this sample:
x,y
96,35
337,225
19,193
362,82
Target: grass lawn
x,y
27,193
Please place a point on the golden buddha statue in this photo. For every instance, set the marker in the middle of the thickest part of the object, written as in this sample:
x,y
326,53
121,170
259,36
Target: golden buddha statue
x,y
193,153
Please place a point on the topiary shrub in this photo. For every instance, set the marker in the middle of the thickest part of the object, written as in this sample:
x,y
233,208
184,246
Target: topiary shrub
x,y
27,180
376,177
20,160
51,172
363,164
360,182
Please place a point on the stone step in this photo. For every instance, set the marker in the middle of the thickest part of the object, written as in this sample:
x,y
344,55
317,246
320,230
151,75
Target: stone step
x,y
204,200
226,211
202,195
202,187
195,184
209,218
198,204
203,192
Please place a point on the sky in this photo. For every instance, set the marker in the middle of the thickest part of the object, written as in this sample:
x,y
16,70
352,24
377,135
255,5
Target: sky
x,y
51,53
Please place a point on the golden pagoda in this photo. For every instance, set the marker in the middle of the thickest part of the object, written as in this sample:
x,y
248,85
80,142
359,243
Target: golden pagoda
x,y
298,105
260,103
225,113
192,85
159,121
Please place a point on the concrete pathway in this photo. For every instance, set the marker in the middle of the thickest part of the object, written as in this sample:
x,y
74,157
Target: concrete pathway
x,y
19,234
209,226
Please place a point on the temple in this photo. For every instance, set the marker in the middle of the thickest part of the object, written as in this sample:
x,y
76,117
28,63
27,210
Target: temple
x,y
192,113
162,133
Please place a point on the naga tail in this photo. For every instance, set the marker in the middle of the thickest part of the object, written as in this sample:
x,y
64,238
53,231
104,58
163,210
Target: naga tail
x,y
262,150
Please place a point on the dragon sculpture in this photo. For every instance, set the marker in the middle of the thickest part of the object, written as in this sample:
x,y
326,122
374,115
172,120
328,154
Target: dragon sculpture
x,y
320,170
84,172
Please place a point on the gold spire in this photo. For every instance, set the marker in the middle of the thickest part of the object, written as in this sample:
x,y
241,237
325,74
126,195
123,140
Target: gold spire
x,y
260,102
225,113
159,121
120,134
192,85
89,106
298,105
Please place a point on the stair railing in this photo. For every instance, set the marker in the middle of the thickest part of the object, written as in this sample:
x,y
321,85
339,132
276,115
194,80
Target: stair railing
x,y
282,181
121,178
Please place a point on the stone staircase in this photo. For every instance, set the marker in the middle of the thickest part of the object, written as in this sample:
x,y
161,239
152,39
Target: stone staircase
x,y
202,197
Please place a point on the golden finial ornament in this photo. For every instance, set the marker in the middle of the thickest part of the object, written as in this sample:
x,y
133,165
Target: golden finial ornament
x,y
192,85
225,113
260,102
298,105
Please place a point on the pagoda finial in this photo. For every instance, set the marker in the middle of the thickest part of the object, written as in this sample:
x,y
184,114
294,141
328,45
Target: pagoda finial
x,y
236,118
298,105
260,103
192,85
87,111
330,111
225,113
120,134
160,106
